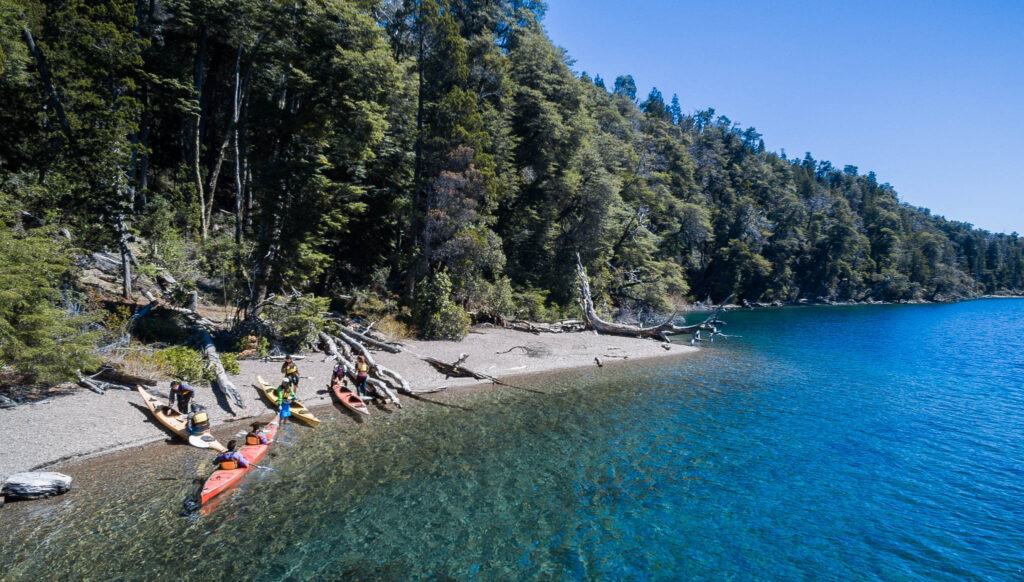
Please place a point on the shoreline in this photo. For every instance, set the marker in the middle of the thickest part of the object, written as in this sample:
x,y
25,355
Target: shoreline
x,y
86,425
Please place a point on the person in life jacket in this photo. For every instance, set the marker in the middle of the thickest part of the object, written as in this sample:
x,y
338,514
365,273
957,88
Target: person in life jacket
x,y
290,370
285,394
362,374
231,459
338,383
339,372
256,436
182,393
198,420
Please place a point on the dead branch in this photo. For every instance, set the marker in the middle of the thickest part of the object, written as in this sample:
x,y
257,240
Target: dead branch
x,y
660,331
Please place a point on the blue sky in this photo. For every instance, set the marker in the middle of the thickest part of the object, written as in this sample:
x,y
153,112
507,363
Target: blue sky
x,y
928,95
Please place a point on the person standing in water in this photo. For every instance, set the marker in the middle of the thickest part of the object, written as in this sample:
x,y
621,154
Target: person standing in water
x,y
285,394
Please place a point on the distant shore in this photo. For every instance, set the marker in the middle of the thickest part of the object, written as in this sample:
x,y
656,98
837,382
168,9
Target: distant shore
x,y
85,424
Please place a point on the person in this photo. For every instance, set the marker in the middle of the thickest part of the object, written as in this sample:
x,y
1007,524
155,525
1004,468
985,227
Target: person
x,y
198,420
362,374
339,371
183,393
231,459
290,370
256,436
338,382
285,394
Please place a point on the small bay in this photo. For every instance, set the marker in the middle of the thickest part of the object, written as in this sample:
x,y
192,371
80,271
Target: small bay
x,y
845,443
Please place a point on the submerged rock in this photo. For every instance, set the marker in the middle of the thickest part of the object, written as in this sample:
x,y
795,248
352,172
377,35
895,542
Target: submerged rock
x,y
36,485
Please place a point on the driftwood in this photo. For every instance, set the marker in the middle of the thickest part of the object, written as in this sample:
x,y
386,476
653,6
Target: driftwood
x,y
457,370
660,331
111,375
35,485
6,402
386,383
366,339
564,326
202,327
86,382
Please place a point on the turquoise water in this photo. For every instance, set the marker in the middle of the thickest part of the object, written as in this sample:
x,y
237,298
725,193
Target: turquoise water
x,y
836,443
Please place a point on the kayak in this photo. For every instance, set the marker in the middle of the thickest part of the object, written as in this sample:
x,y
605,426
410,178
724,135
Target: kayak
x,y
221,479
299,411
177,423
350,400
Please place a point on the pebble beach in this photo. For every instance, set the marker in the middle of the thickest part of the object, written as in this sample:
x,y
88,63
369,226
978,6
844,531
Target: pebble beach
x,y
85,424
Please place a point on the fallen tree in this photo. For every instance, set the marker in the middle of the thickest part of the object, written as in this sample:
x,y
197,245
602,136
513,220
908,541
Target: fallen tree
x,y
660,331
201,327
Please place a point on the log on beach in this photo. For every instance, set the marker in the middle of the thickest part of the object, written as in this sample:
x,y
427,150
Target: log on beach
x,y
36,485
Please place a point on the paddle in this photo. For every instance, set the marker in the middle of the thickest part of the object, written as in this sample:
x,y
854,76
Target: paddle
x,y
263,467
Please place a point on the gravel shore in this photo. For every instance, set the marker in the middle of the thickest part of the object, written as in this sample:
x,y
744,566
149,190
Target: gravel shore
x,y
84,424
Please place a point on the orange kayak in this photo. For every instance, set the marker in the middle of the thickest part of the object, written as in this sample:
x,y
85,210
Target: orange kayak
x,y
349,400
221,479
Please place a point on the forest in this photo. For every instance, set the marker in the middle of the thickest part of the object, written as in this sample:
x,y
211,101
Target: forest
x,y
429,162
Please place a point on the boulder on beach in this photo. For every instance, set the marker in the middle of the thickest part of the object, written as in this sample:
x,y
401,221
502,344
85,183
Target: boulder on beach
x,y
35,485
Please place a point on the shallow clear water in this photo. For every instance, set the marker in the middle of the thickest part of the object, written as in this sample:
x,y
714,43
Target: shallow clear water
x,y
843,443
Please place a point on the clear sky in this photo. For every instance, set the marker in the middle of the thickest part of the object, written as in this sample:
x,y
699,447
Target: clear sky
x,y
929,94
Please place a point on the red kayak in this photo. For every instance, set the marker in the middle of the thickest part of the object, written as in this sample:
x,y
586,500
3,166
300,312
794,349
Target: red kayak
x,y
221,479
350,400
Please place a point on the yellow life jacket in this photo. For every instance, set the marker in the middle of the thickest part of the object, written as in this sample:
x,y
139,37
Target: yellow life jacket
x,y
200,418
362,367
291,370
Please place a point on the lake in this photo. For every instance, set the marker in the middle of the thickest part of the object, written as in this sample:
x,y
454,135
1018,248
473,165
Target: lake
x,y
835,443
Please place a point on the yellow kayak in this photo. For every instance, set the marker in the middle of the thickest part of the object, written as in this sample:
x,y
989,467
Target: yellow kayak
x,y
299,411
177,423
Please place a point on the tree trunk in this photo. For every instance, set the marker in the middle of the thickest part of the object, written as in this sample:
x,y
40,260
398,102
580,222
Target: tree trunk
x,y
44,74
126,257
661,331
197,175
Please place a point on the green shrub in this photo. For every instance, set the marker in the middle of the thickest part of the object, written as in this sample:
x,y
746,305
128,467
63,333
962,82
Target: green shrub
x,y
182,362
437,316
188,364
298,321
230,362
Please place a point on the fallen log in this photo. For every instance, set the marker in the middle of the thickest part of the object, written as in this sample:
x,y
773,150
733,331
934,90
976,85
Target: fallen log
x,y
378,382
87,383
114,376
373,342
35,485
660,331
202,326
456,369
6,402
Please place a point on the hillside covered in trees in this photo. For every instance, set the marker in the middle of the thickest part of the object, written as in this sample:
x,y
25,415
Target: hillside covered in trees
x,y
430,158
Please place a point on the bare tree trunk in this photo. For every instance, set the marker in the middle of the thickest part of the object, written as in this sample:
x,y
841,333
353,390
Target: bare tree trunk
x,y
44,74
197,150
126,257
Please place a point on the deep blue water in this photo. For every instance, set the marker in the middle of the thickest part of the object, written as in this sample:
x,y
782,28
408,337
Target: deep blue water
x,y
824,443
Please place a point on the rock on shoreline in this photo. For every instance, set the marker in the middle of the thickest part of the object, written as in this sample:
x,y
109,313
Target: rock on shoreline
x,y
37,485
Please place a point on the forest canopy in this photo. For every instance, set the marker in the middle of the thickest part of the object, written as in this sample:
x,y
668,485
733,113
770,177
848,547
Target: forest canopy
x,y
431,157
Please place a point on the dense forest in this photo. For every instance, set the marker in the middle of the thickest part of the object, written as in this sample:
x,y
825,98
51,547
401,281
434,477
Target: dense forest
x,y
426,159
